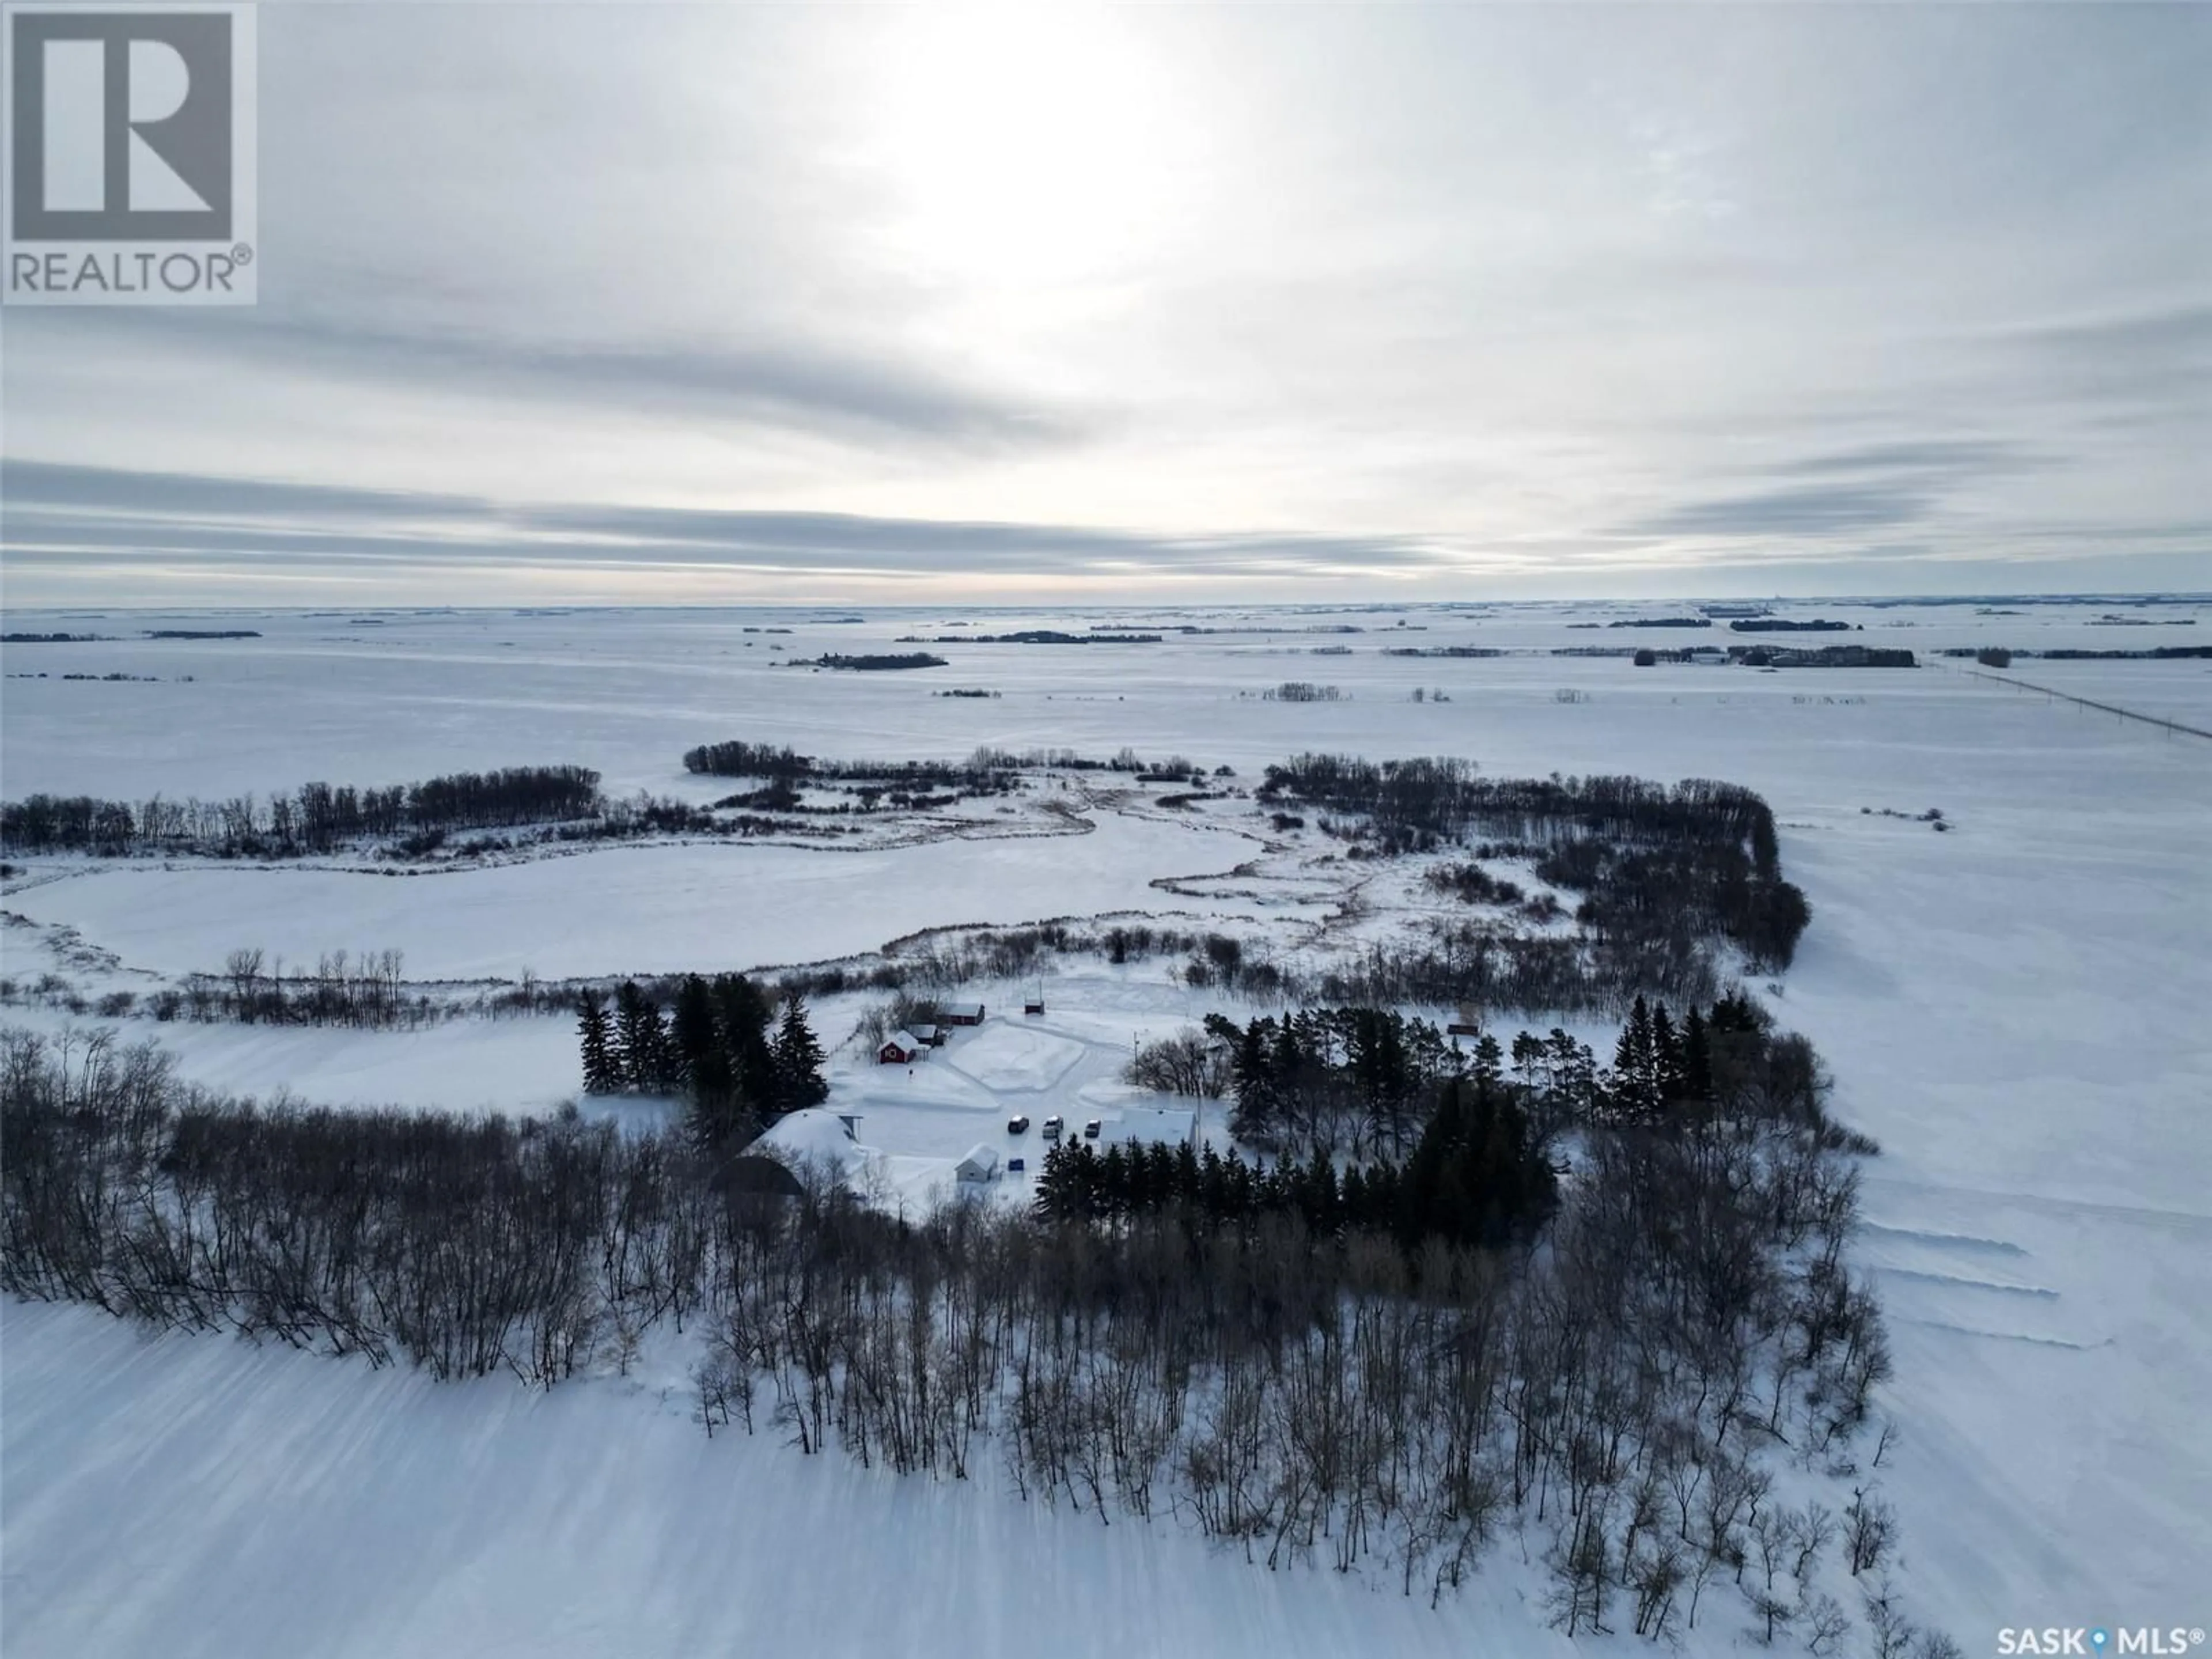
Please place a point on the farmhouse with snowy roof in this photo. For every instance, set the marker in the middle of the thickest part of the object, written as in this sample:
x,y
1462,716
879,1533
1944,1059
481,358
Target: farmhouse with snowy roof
x,y
900,1049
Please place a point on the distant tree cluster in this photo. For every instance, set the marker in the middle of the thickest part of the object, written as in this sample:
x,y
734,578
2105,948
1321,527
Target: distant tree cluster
x,y
315,818
2156,653
737,758
1446,796
1301,691
1661,866
1037,636
1826,656
866,782
1471,884
868,662
363,989
115,679
722,1045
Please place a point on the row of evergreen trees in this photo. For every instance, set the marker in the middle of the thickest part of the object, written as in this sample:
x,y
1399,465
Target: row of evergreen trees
x,y
722,1046
1368,1080
1664,1072
1474,1179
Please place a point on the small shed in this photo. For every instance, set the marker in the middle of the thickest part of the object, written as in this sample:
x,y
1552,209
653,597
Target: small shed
x,y
961,1013
981,1164
900,1049
1035,1004
934,1036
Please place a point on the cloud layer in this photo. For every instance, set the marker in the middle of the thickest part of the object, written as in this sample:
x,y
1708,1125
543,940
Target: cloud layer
x,y
703,303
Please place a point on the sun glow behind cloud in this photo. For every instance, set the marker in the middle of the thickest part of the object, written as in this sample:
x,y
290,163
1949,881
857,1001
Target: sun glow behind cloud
x,y
1026,149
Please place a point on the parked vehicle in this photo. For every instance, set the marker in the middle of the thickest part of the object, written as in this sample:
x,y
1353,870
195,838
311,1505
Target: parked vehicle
x,y
1054,1126
1017,1125
1091,1130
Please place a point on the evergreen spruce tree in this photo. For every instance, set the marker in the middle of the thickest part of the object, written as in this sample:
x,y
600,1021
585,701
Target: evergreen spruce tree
x,y
1063,1186
1186,1175
1529,1057
1253,1078
1115,1193
797,1059
636,1030
742,1017
1668,1078
1574,1072
1237,1187
1697,1061
1319,1197
1490,1061
1213,1186
692,1029
660,1065
1636,1068
602,1075
1421,1195
1472,1180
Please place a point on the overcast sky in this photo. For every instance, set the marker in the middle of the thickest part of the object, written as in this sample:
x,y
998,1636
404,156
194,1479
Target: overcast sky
x,y
661,303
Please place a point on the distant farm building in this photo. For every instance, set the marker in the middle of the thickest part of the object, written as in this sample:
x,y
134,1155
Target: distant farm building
x,y
981,1164
900,1049
961,1013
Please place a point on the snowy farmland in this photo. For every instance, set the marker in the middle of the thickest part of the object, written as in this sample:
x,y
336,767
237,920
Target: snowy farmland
x,y
2013,1008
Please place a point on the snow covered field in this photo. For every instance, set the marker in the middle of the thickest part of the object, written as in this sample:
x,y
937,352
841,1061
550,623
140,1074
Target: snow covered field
x,y
267,1502
2015,1009
626,910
